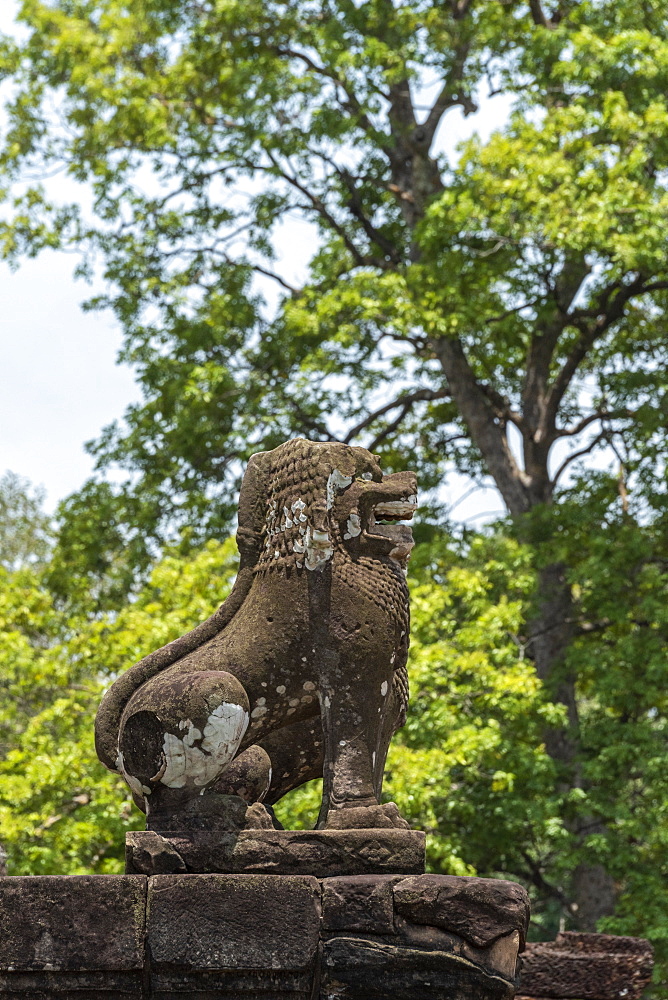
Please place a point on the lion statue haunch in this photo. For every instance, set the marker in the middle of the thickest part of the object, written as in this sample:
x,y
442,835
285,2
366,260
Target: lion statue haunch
x,y
301,673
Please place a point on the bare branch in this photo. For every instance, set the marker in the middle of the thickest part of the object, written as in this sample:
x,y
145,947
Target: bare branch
x,y
391,427
355,207
445,100
460,9
611,306
592,418
487,434
322,210
578,454
502,406
276,277
403,401
353,103
541,882
450,96
310,423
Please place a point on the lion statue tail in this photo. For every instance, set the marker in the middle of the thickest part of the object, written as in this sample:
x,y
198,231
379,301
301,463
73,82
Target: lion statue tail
x,y
249,538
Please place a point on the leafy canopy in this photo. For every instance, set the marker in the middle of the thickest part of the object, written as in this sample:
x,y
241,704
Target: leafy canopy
x,y
450,296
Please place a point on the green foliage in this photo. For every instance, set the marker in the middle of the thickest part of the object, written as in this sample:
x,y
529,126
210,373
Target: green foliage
x,y
60,811
25,530
470,765
200,127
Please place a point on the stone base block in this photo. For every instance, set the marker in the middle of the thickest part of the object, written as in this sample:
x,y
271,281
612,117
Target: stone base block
x,y
321,853
587,967
79,936
260,937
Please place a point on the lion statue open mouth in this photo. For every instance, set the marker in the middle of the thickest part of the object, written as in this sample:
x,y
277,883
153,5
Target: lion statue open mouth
x,y
301,673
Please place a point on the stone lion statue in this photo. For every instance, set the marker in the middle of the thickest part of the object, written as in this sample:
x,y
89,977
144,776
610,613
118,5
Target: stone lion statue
x,y
301,673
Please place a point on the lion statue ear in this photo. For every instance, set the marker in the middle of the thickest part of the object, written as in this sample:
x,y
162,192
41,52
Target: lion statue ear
x,y
252,509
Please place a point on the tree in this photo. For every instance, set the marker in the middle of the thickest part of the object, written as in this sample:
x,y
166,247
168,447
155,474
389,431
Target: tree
x,y
25,530
502,313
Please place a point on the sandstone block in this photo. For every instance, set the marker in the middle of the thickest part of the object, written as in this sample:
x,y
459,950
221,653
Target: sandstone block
x,y
476,909
359,903
320,853
233,934
60,936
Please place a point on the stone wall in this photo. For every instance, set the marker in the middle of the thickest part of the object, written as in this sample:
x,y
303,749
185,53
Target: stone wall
x,y
364,937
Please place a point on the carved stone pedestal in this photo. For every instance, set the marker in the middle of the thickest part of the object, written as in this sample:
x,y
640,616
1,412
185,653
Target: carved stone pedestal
x,y
322,853
259,937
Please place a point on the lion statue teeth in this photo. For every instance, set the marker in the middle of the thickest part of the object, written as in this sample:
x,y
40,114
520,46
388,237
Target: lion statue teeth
x,y
301,673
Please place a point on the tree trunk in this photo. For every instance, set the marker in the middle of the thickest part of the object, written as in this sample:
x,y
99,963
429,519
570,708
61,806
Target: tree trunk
x,y
592,891
551,634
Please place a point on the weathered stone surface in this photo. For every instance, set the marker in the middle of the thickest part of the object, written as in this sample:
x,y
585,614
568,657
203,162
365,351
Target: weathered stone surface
x,y
77,935
476,909
233,934
499,958
587,967
355,968
301,673
150,854
322,853
405,958
264,937
359,903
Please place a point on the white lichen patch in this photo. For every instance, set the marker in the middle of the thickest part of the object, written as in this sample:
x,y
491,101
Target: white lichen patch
x,y
397,508
353,526
318,547
308,685
199,765
134,783
383,688
258,712
280,689
336,483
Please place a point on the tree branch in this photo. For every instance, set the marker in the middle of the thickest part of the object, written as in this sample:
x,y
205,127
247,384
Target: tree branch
x,y
276,277
592,418
577,454
404,401
353,103
460,8
487,434
609,311
543,345
449,95
322,210
502,406
391,427
541,882
356,210
539,16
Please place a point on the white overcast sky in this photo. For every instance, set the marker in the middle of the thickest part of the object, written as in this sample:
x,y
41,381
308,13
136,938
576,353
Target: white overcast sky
x,y
60,381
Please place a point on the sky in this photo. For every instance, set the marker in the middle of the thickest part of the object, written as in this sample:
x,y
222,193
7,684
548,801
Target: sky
x,y
61,383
